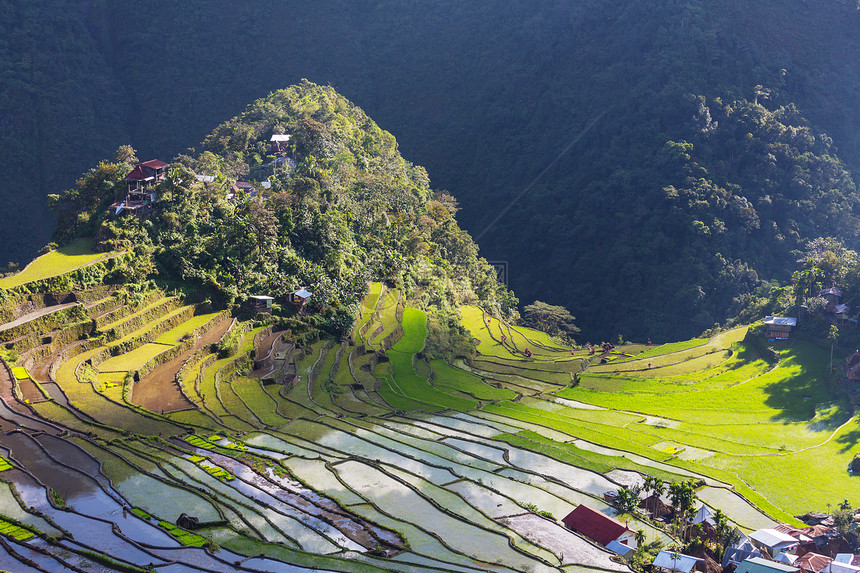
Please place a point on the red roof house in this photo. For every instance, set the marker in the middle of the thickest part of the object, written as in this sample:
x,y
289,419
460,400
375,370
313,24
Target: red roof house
x,y
598,526
812,562
140,193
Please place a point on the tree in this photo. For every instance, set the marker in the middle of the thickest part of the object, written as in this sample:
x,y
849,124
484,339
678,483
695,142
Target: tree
x,y
683,497
843,517
832,335
626,501
654,485
552,319
726,534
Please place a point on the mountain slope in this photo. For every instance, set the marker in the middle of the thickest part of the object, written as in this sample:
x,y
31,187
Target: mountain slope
x,y
489,96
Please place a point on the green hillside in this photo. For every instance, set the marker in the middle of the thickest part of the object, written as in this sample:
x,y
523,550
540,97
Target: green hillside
x,y
598,98
380,408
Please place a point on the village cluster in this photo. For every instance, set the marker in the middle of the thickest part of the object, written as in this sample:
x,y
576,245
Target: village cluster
x,y
817,548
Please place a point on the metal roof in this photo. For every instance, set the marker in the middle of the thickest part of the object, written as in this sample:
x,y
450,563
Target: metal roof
x,y
814,562
675,561
772,538
594,525
262,297
619,547
280,137
781,320
303,293
704,514
761,565
153,164
138,174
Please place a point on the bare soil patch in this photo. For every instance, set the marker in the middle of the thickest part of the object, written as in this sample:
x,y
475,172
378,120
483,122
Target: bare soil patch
x,y
158,391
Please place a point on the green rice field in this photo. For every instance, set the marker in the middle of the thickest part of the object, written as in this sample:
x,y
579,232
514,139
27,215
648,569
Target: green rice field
x,y
73,256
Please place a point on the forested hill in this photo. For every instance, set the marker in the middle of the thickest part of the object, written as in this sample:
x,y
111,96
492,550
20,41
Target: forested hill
x,y
331,208
685,157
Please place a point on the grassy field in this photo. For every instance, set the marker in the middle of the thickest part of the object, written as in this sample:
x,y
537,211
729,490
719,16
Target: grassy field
x,y
73,256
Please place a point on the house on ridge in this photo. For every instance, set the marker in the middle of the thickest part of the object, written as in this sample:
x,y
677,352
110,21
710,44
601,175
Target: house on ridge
x,y
832,295
261,303
140,186
279,143
299,297
599,527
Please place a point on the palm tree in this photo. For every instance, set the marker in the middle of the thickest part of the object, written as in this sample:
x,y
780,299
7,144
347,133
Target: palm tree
x,y
832,336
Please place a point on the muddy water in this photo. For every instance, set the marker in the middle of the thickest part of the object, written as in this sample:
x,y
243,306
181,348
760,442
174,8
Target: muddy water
x,y
158,391
69,454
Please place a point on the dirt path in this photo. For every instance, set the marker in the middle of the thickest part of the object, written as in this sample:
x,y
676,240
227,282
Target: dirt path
x,y
36,314
158,391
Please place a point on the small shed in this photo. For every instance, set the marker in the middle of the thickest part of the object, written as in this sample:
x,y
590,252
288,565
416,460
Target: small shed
x,y
261,303
299,297
279,143
778,327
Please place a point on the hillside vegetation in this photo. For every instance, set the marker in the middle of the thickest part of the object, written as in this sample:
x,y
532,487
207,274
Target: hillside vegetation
x,y
345,208
399,419
604,100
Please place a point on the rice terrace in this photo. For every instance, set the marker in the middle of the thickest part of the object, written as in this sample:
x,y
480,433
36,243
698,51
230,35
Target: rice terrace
x,y
139,430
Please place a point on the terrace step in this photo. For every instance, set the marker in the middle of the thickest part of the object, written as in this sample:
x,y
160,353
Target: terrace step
x,y
153,311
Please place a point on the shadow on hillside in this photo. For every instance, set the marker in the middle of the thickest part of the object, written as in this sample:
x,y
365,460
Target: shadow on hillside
x,y
848,440
798,387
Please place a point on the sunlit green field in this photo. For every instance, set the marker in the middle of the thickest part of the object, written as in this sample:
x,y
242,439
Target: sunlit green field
x,y
76,254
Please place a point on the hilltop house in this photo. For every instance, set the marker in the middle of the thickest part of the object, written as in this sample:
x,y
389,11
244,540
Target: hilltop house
x,y
279,143
832,295
140,186
778,327
836,307
599,527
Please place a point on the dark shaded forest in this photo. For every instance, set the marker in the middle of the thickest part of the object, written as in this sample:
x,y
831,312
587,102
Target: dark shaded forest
x,y
693,148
